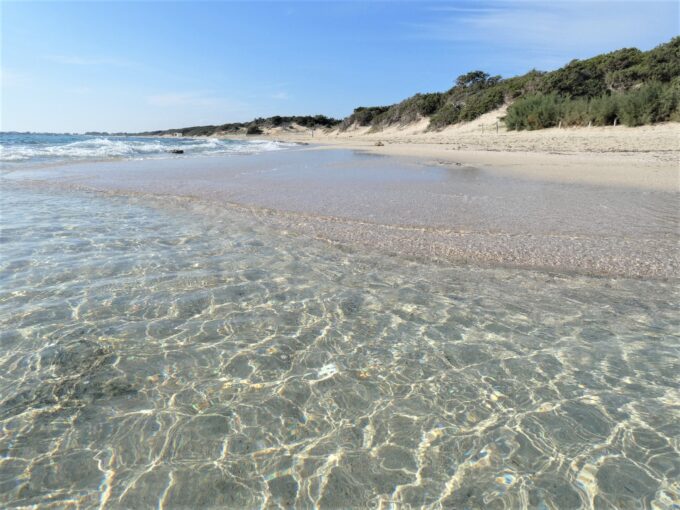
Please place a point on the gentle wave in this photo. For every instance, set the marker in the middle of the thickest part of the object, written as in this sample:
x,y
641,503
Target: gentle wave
x,y
42,148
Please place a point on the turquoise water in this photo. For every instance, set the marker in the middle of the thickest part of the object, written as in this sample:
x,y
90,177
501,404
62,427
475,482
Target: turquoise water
x,y
18,149
175,354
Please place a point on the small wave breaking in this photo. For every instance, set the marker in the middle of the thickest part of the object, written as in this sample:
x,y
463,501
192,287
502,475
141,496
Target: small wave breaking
x,y
63,148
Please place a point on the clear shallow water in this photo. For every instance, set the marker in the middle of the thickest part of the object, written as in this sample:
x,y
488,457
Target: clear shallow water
x,y
408,208
30,149
154,355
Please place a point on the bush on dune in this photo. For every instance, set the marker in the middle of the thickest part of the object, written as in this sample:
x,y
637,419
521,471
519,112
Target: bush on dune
x,y
646,104
447,115
534,112
479,104
363,116
629,85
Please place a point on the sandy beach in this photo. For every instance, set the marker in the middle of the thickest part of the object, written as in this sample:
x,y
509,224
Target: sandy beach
x,y
645,157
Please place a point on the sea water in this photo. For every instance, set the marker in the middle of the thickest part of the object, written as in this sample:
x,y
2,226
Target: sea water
x,y
29,148
171,353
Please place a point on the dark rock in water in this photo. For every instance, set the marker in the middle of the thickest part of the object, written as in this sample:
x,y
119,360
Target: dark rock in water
x,y
176,151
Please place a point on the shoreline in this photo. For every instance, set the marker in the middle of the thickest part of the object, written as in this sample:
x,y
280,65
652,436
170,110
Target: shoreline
x,y
644,157
403,206
420,244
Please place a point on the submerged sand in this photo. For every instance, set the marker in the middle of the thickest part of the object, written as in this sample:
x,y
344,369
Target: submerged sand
x,y
159,357
408,207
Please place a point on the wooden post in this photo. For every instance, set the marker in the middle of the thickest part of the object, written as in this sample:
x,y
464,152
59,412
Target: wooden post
x,y
616,119
559,126
590,123
496,127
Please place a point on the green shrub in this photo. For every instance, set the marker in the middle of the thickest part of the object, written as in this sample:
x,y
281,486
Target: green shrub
x,y
604,110
363,116
669,101
642,105
481,103
447,115
253,130
646,104
409,110
575,112
535,112
429,103
630,85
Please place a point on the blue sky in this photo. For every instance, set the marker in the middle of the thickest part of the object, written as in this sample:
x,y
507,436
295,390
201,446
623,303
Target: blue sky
x,y
77,66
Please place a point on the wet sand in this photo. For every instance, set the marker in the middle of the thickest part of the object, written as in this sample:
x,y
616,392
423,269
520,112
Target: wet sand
x,y
643,157
403,206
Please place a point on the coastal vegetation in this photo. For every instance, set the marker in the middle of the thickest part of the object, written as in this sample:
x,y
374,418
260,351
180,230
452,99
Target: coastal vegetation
x,y
627,86
253,127
647,104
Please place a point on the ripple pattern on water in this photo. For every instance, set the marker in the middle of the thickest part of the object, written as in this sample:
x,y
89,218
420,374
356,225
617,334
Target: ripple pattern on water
x,y
151,356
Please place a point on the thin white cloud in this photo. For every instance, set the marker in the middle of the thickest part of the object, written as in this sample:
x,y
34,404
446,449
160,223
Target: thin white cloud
x,y
549,32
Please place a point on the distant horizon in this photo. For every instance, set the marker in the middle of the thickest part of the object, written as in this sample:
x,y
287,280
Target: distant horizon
x,y
146,66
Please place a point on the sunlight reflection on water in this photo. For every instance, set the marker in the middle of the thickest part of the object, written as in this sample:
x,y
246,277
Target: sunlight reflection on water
x,y
153,354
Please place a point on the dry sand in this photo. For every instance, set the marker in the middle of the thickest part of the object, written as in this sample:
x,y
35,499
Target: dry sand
x,y
646,157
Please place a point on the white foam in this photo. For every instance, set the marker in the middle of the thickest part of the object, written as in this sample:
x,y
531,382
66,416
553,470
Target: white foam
x,y
114,148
